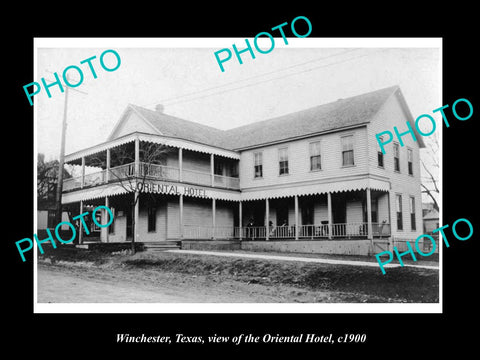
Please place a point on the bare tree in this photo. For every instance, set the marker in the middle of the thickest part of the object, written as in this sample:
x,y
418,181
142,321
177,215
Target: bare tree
x,y
152,158
430,163
47,180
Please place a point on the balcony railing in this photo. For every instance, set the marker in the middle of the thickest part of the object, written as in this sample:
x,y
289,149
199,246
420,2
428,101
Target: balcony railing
x,y
152,172
339,231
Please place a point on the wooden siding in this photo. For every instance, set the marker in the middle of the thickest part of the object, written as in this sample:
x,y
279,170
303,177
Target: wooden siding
x,y
390,115
133,123
299,160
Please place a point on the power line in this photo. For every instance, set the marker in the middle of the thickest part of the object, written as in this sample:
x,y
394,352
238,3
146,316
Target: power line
x,y
250,78
272,79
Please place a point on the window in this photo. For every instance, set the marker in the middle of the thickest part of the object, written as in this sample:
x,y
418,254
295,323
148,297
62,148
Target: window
x,y
396,157
315,157
399,212
380,159
218,168
410,161
412,213
347,150
283,161
152,219
258,165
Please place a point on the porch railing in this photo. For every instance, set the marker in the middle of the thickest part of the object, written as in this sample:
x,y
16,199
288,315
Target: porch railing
x,y
152,172
339,231
206,232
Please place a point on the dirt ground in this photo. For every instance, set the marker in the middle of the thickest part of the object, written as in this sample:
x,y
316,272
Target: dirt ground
x,y
80,276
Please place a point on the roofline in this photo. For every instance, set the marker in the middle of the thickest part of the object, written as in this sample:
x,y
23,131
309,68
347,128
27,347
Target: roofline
x,y
300,137
122,119
410,118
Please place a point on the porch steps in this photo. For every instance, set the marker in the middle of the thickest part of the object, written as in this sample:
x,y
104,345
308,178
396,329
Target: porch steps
x,y
162,245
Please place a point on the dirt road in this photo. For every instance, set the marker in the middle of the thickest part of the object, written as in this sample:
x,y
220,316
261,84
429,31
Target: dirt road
x,y
60,284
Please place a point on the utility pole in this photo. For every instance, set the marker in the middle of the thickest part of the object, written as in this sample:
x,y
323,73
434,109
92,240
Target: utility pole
x,y
61,160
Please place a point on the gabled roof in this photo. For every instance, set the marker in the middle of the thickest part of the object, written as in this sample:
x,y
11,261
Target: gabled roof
x,y
431,215
343,113
339,114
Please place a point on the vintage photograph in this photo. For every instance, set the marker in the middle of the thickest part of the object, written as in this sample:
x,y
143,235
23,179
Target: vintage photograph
x,y
173,183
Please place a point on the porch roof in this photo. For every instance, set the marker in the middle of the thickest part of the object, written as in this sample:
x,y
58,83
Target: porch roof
x,y
158,139
332,186
116,189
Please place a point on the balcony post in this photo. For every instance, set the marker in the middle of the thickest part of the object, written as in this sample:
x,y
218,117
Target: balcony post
x,y
137,156
212,170
107,170
240,216
329,211
180,164
267,217
296,217
82,184
214,208
369,215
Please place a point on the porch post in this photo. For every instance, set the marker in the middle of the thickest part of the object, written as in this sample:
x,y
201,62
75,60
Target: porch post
x,y
107,170
180,205
136,210
267,217
212,170
137,156
240,216
82,184
369,215
329,211
214,208
296,217
80,228
180,164
105,214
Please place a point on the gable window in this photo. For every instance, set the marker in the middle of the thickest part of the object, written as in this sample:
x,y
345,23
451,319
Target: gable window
x,y
315,157
410,161
152,219
347,150
412,213
399,212
258,165
283,161
396,157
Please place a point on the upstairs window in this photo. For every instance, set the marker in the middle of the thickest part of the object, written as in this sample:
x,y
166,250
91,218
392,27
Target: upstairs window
x,y
315,157
380,155
258,165
283,161
347,150
396,157
410,161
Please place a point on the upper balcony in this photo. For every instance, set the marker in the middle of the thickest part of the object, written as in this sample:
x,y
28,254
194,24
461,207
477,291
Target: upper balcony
x,y
143,157
151,172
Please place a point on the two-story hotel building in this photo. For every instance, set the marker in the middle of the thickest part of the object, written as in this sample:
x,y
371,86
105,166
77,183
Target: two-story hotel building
x,y
312,181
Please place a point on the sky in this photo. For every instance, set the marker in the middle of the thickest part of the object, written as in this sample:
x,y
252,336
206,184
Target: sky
x,y
183,75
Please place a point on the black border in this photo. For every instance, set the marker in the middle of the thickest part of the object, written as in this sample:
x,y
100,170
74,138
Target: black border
x,y
87,334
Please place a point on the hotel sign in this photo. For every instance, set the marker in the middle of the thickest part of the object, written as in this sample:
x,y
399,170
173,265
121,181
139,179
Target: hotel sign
x,y
171,189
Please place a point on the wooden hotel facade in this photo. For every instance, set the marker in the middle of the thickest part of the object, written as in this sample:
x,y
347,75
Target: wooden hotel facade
x,y
310,181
